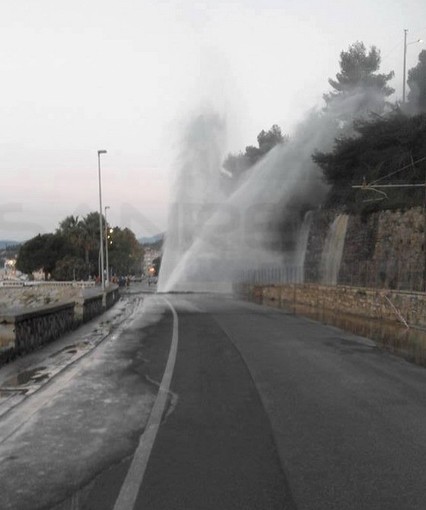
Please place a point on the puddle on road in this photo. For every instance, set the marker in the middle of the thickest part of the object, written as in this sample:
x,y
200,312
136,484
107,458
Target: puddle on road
x,y
409,343
23,378
5,394
70,349
22,381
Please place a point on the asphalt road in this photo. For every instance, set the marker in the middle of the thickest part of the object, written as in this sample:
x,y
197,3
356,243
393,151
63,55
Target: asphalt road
x,y
265,410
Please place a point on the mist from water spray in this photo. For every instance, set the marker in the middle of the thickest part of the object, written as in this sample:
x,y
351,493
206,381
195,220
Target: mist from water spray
x,y
196,193
212,237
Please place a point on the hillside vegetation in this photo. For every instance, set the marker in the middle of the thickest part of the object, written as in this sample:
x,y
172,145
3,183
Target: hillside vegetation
x,y
381,146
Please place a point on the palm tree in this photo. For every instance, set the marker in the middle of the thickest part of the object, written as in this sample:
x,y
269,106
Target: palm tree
x,y
70,228
90,239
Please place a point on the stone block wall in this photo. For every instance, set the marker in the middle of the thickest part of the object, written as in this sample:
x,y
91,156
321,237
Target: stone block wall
x,y
112,296
22,330
36,296
361,236
88,308
382,250
359,301
26,330
399,252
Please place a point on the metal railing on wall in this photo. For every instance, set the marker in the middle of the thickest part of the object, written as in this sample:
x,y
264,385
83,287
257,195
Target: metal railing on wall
x,y
400,278
358,275
17,283
271,275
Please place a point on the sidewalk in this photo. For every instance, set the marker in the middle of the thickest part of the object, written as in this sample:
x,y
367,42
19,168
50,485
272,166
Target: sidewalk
x,y
26,374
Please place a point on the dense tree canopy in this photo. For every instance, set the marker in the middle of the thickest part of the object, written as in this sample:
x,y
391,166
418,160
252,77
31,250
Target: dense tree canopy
x,y
417,83
42,252
125,252
268,139
72,252
69,268
236,164
390,150
359,75
377,146
378,142
84,236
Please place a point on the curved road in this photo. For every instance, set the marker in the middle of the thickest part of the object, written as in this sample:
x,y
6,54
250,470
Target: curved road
x,y
264,410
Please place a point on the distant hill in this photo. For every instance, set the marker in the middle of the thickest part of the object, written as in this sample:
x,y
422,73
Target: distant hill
x,y
159,238
6,243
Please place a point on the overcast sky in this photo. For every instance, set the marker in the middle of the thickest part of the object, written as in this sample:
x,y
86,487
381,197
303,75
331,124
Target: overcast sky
x,y
122,75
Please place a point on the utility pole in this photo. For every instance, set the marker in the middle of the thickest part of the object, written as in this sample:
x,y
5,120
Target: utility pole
x,y
405,65
404,71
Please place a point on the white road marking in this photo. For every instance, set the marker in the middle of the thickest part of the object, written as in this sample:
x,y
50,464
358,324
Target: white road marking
x,y
129,491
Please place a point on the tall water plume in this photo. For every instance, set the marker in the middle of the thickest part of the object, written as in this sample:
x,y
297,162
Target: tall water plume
x,y
212,237
196,191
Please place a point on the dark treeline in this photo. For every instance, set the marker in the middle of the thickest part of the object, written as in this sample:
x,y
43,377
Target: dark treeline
x,y
383,151
236,164
72,252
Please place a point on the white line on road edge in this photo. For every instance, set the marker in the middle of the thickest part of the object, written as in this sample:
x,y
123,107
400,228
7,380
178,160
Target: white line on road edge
x,y
129,491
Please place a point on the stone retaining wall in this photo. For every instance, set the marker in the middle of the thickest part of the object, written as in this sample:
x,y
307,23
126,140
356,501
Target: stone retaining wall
x,y
37,296
385,249
22,330
111,297
37,327
364,302
88,308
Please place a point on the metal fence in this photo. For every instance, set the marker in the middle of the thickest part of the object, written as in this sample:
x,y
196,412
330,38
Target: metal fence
x,y
357,275
400,277
19,283
271,275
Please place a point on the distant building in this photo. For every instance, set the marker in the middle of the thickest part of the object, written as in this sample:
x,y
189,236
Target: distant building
x,y
149,256
9,270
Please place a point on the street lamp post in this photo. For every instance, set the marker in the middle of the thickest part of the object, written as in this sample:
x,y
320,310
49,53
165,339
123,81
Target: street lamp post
x,y
106,245
404,71
100,220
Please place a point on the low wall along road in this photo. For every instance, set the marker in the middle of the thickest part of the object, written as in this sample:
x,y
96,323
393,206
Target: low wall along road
x,y
383,304
26,323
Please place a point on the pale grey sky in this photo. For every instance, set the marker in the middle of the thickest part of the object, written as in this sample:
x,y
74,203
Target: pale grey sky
x,y
83,75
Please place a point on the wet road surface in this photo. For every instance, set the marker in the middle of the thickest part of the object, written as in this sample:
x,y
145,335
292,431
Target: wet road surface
x,y
265,411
